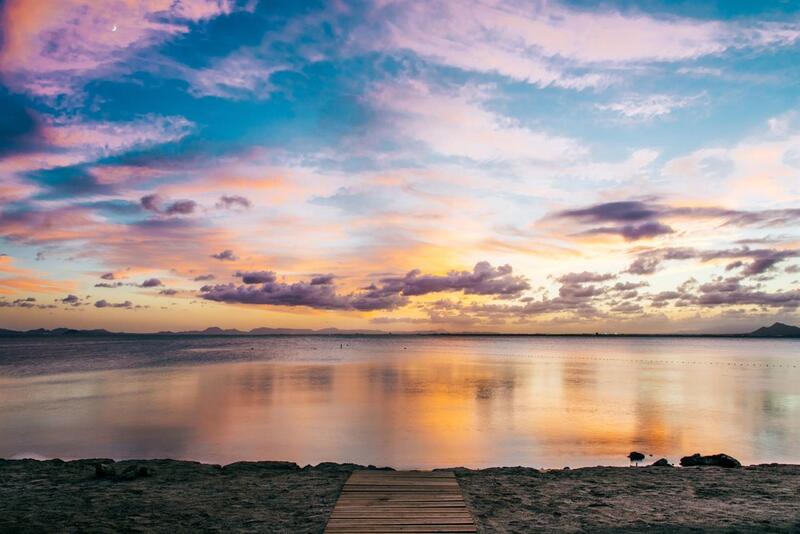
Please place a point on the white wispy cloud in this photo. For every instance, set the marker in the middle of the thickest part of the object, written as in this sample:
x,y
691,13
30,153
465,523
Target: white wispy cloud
x,y
646,107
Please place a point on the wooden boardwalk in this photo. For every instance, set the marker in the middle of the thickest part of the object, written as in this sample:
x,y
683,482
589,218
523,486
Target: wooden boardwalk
x,y
401,501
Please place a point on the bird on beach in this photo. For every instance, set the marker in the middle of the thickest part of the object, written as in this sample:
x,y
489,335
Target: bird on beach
x,y
636,457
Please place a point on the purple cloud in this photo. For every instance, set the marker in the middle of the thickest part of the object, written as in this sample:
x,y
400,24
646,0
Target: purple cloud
x,y
181,207
625,212
256,277
483,280
105,304
585,277
71,300
204,278
233,201
151,282
151,203
260,287
225,255
638,211
632,232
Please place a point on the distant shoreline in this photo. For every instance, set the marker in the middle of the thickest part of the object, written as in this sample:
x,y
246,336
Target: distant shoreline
x,y
19,334
775,331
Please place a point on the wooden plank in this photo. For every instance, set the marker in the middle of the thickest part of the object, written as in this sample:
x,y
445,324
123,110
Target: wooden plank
x,y
404,474
400,501
403,528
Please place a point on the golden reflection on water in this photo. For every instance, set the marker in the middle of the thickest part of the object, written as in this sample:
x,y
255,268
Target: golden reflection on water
x,y
440,402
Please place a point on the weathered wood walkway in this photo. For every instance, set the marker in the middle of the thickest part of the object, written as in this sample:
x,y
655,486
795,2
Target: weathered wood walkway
x,y
401,501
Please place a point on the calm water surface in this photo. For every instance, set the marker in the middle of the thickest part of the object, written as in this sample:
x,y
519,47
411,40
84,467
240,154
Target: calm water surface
x,y
405,402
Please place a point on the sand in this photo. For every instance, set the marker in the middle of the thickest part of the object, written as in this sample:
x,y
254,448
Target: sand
x,y
47,496
619,499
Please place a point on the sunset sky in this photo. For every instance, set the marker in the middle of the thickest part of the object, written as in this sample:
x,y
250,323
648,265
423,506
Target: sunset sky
x,y
514,166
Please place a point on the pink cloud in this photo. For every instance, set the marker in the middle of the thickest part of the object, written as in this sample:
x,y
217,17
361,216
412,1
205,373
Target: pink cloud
x,y
51,43
539,41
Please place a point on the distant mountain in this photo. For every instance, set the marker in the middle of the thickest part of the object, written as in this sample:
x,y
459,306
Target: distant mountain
x,y
264,331
55,332
777,330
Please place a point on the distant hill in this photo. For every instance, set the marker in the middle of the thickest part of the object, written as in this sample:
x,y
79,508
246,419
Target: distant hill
x,y
211,331
777,330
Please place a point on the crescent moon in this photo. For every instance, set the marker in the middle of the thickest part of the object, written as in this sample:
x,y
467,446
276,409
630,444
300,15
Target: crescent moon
x,y
114,28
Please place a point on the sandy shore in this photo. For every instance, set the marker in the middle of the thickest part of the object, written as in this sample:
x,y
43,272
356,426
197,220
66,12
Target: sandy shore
x,y
176,496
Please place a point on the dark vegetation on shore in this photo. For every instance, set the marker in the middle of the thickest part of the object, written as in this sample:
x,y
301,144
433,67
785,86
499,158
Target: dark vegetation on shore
x,y
776,330
178,496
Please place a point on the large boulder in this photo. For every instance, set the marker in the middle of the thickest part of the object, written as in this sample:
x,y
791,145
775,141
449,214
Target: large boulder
x,y
663,462
104,470
718,460
135,471
636,456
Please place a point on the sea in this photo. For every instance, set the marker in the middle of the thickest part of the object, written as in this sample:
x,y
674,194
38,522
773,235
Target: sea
x,y
401,401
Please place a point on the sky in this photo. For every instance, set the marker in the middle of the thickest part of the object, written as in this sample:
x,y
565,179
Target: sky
x,y
507,166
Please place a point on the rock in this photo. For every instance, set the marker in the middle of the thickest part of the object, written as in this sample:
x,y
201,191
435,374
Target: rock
x,y
661,463
636,456
136,471
719,460
103,470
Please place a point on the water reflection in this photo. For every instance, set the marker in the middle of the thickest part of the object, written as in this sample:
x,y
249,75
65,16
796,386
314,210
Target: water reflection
x,y
443,402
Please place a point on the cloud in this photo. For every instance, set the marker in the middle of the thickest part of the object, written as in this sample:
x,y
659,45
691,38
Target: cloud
x,y
53,47
168,292
204,278
107,276
109,285
622,211
643,219
585,277
225,255
631,232
649,107
763,260
181,207
151,203
26,302
71,300
256,277
244,74
644,265
102,303
151,282
389,293
552,44
483,280
233,201
155,204
459,124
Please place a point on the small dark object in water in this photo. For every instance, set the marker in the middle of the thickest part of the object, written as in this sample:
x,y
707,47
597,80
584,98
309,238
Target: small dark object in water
x,y
661,463
718,460
636,457
103,470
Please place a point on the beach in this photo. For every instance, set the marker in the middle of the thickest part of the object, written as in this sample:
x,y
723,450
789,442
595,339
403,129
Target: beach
x,y
181,496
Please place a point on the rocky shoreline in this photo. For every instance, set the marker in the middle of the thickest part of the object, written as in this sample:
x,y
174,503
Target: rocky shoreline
x,y
99,495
